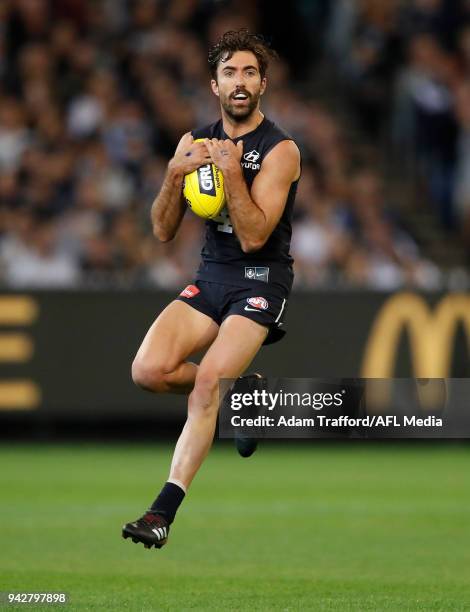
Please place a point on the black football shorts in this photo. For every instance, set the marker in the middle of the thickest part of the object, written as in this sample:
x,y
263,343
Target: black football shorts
x,y
266,305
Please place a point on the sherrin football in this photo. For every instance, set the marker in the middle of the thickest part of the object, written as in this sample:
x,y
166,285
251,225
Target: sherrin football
x,y
203,191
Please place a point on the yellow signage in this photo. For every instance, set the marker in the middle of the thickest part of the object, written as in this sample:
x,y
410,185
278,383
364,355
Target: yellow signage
x,y
431,334
17,347
18,310
19,395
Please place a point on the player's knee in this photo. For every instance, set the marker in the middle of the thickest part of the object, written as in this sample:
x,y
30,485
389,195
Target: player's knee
x,y
150,377
203,398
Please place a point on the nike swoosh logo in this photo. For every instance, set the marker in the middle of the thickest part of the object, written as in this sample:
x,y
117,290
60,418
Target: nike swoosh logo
x,y
254,309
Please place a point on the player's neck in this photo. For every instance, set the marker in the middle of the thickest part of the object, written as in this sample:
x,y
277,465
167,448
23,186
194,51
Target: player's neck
x,y
235,129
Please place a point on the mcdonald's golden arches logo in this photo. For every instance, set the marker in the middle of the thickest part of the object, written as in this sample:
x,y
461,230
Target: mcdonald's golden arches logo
x,y
431,335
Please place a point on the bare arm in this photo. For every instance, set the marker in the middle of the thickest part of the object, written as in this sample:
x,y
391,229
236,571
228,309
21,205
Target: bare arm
x,y
255,215
168,207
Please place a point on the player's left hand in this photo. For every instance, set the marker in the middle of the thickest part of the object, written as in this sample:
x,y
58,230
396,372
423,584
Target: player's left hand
x,y
225,154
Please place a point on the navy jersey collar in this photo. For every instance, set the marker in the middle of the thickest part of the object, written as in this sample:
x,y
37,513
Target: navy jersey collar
x,y
257,129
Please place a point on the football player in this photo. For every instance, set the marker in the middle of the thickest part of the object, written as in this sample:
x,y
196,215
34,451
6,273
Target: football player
x,y
238,299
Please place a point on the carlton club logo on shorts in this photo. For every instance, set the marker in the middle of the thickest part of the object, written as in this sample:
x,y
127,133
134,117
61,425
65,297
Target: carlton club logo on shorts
x,y
258,273
190,291
257,303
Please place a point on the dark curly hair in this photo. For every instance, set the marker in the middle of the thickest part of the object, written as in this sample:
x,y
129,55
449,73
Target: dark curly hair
x,y
240,40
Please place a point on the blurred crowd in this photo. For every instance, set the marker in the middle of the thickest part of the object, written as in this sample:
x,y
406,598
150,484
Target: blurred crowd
x,y
95,94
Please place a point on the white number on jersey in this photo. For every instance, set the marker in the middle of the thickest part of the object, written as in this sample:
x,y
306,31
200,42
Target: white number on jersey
x,y
223,219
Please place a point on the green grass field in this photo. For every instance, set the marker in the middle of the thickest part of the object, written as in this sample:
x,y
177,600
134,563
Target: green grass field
x,y
352,527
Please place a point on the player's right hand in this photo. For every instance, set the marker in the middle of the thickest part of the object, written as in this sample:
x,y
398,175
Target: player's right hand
x,y
189,155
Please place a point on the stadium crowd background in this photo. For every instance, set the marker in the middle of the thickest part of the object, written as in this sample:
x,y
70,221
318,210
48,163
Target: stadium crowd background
x,y
94,96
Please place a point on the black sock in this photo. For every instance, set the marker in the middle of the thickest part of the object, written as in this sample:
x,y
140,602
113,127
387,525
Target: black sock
x,y
168,501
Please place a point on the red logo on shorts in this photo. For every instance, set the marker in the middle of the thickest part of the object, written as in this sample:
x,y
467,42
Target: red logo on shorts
x,y
258,302
190,291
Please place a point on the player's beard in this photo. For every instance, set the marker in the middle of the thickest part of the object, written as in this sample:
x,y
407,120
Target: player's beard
x,y
240,113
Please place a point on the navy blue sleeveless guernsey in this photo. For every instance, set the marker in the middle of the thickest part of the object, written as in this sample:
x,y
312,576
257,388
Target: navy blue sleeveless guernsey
x,y
223,260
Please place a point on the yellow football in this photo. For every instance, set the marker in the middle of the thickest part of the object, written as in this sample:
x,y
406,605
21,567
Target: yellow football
x,y
203,191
